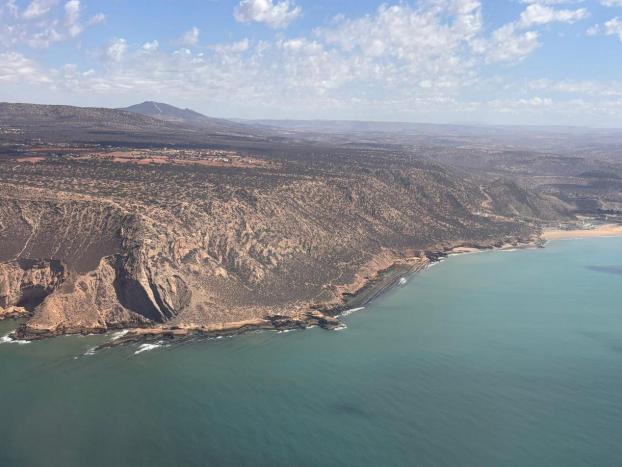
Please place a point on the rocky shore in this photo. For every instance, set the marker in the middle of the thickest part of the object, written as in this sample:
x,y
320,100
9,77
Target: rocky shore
x,y
278,247
373,280
326,318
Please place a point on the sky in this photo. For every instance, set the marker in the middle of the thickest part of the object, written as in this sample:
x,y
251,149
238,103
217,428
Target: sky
x,y
537,62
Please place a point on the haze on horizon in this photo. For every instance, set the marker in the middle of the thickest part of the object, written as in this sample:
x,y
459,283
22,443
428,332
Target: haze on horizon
x,y
535,62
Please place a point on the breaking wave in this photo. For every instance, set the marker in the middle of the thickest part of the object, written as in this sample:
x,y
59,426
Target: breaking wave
x,y
7,339
118,335
350,311
148,347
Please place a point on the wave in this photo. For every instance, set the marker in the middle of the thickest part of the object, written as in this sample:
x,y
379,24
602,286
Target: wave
x,y
7,339
118,335
148,347
350,311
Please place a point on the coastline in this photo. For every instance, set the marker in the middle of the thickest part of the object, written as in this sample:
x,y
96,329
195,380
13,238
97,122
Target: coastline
x,y
328,319
381,282
373,281
605,230
374,286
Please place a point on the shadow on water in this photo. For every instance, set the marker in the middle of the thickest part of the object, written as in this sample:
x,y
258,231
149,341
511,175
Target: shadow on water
x,y
607,269
348,408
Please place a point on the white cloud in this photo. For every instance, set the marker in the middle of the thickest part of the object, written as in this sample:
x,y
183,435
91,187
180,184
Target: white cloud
x,y
422,54
191,37
232,48
116,50
15,68
406,32
151,46
99,18
613,27
9,7
511,43
530,104
39,25
407,60
611,2
400,43
508,45
552,2
593,30
538,14
44,38
72,18
275,15
37,8
584,88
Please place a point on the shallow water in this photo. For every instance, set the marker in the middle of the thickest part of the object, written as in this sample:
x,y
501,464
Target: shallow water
x,y
488,359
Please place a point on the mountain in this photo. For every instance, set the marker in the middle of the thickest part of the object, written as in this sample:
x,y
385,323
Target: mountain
x,y
63,123
170,113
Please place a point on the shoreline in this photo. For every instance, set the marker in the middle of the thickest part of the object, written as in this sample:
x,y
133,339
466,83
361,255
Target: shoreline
x,y
604,230
326,317
384,281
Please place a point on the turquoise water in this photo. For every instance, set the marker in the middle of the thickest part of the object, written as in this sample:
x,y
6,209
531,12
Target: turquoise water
x,y
489,359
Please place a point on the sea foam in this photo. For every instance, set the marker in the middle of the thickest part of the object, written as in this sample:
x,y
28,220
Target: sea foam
x,y
118,335
148,347
7,339
351,310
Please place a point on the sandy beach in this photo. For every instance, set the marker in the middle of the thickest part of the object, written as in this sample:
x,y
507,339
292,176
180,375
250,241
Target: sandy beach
x,y
606,230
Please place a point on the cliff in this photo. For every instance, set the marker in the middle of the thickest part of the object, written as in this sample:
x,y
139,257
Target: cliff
x,y
100,236
170,246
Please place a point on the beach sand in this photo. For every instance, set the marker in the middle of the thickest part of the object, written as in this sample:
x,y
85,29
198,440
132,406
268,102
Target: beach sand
x,y
607,230
465,249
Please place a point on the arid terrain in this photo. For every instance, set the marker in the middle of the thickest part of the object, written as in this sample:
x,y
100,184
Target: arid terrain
x,y
111,219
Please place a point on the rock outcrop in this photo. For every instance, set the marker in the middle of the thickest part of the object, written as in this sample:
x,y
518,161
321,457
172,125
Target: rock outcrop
x,y
25,283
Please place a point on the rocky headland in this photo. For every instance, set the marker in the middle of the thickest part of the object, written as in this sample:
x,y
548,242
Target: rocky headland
x,y
176,242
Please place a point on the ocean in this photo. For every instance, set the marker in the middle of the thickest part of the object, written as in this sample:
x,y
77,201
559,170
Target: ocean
x,y
504,358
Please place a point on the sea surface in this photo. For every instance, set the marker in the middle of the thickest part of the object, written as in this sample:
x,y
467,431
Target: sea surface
x,y
488,359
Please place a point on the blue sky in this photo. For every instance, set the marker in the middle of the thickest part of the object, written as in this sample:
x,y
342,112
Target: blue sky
x,y
554,62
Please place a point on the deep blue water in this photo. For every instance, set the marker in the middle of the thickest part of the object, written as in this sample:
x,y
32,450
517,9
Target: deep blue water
x,y
488,359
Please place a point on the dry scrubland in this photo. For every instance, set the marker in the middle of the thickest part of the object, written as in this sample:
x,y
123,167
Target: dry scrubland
x,y
254,231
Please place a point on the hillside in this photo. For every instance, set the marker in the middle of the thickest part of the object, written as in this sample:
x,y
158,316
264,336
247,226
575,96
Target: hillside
x,y
187,117
64,124
102,237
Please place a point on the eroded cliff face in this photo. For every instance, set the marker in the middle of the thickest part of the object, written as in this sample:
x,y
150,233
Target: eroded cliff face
x,y
193,247
24,284
60,265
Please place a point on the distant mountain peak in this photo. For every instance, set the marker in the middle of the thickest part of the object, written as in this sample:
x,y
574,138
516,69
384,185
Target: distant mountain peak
x,y
170,113
155,105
